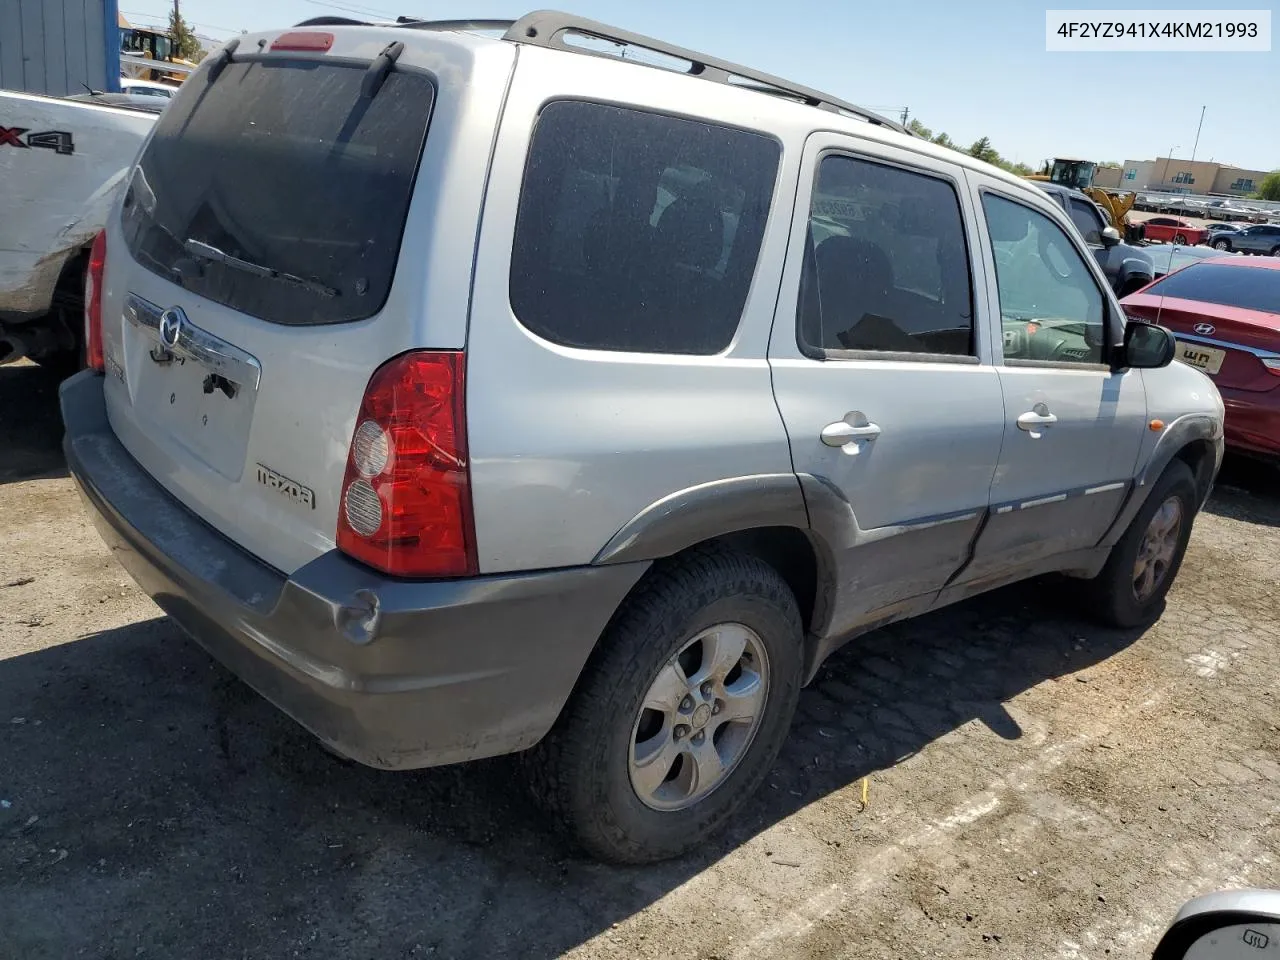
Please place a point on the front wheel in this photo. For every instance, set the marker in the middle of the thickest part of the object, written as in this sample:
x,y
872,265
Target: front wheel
x,y
1179,239
1221,245
1275,251
680,713
1131,588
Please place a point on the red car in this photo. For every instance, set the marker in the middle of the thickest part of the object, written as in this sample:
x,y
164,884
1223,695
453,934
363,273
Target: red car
x,y
1225,314
1174,230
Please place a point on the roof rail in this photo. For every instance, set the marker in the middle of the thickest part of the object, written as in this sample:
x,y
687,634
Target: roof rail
x,y
413,23
333,22
547,28
462,25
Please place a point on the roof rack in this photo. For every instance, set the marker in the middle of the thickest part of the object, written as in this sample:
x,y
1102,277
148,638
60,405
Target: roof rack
x,y
413,23
547,28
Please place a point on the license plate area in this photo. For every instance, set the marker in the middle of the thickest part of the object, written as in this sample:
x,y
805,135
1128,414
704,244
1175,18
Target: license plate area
x,y
1208,359
192,389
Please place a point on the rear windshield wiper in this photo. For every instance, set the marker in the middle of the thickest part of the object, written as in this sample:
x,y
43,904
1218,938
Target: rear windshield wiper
x,y
204,251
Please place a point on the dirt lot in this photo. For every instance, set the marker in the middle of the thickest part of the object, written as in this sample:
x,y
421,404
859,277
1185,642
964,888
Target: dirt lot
x,y
1036,786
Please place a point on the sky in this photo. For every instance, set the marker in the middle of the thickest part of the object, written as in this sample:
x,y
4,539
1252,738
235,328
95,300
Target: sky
x,y
969,69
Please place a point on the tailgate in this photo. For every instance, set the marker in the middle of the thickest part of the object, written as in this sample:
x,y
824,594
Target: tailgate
x,y
253,284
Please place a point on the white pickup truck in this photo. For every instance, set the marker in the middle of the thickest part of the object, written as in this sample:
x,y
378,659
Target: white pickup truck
x,y
62,162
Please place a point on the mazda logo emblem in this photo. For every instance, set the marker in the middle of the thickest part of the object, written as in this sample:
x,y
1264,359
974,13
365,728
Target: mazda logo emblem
x,y
1205,329
171,322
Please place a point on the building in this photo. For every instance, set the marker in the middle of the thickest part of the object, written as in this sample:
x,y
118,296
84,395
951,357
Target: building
x,y
1108,178
1170,175
57,47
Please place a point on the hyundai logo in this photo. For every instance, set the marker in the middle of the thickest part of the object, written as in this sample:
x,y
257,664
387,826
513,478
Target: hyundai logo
x,y
1204,329
171,322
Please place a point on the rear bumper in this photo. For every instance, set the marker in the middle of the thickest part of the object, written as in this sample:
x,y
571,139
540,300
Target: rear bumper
x,y
391,673
1252,421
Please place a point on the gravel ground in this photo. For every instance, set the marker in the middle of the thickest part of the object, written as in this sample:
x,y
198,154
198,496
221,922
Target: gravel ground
x,y
1035,786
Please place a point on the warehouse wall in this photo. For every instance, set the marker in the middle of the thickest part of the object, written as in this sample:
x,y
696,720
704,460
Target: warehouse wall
x,y
59,46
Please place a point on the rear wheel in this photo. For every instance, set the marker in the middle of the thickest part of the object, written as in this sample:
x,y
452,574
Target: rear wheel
x,y
1131,588
1275,251
1222,244
1179,239
680,713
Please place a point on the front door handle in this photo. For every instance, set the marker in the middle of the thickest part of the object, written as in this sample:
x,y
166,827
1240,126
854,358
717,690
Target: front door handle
x,y
846,435
1035,420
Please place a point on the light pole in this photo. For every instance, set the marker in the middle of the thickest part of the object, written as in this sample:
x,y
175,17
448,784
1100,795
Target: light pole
x,y
1198,126
1167,158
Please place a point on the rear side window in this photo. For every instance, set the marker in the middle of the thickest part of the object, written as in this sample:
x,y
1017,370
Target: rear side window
x,y
638,231
1253,288
886,265
281,166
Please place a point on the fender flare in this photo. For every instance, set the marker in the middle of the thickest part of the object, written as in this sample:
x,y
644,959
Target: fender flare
x,y
706,510
1183,431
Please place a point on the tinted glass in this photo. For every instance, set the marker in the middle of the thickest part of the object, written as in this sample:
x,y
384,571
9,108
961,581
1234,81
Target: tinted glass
x,y
638,231
281,165
1253,288
1087,221
886,268
1050,306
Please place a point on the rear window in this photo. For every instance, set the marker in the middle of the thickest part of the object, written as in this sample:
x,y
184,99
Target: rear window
x,y
1253,288
281,165
638,231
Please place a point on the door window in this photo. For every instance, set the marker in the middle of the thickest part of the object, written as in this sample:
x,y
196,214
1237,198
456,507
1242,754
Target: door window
x,y
1051,309
886,266
1087,221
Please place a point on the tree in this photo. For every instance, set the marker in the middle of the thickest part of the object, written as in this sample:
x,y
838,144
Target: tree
x,y
920,130
1270,189
943,140
186,46
983,150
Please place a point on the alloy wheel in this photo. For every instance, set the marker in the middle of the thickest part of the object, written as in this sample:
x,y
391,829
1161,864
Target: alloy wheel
x,y
1157,550
699,716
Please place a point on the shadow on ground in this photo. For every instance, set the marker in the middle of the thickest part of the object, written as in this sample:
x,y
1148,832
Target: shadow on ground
x,y
1248,490
30,424
154,806
160,808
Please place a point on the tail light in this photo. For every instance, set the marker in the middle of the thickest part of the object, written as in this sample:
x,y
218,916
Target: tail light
x,y
93,303
406,496
1272,364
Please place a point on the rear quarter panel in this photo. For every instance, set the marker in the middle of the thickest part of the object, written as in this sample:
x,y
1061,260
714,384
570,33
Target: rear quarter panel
x,y
568,445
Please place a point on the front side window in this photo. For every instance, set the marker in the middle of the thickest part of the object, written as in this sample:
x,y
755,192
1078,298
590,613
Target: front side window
x,y
638,231
1050,306
886,264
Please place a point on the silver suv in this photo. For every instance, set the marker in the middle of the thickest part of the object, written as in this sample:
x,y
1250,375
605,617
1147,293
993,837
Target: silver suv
x,y
469,394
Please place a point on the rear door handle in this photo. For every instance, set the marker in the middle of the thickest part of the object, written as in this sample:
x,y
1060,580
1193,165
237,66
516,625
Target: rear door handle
x,y
844,434
1035,421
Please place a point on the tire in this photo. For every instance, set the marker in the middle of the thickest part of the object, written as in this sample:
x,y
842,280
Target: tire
x,y
1222,244
1115,595
1179,239
582,771
1275,251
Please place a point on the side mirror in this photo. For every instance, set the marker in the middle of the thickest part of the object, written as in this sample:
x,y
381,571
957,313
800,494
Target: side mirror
x,y
1147,346
1110,236
1224,926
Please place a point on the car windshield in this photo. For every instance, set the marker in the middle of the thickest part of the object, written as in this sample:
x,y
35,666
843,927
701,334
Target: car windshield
x,y
1252,288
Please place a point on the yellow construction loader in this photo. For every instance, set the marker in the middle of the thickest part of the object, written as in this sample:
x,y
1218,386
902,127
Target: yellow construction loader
x,y
1078,175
